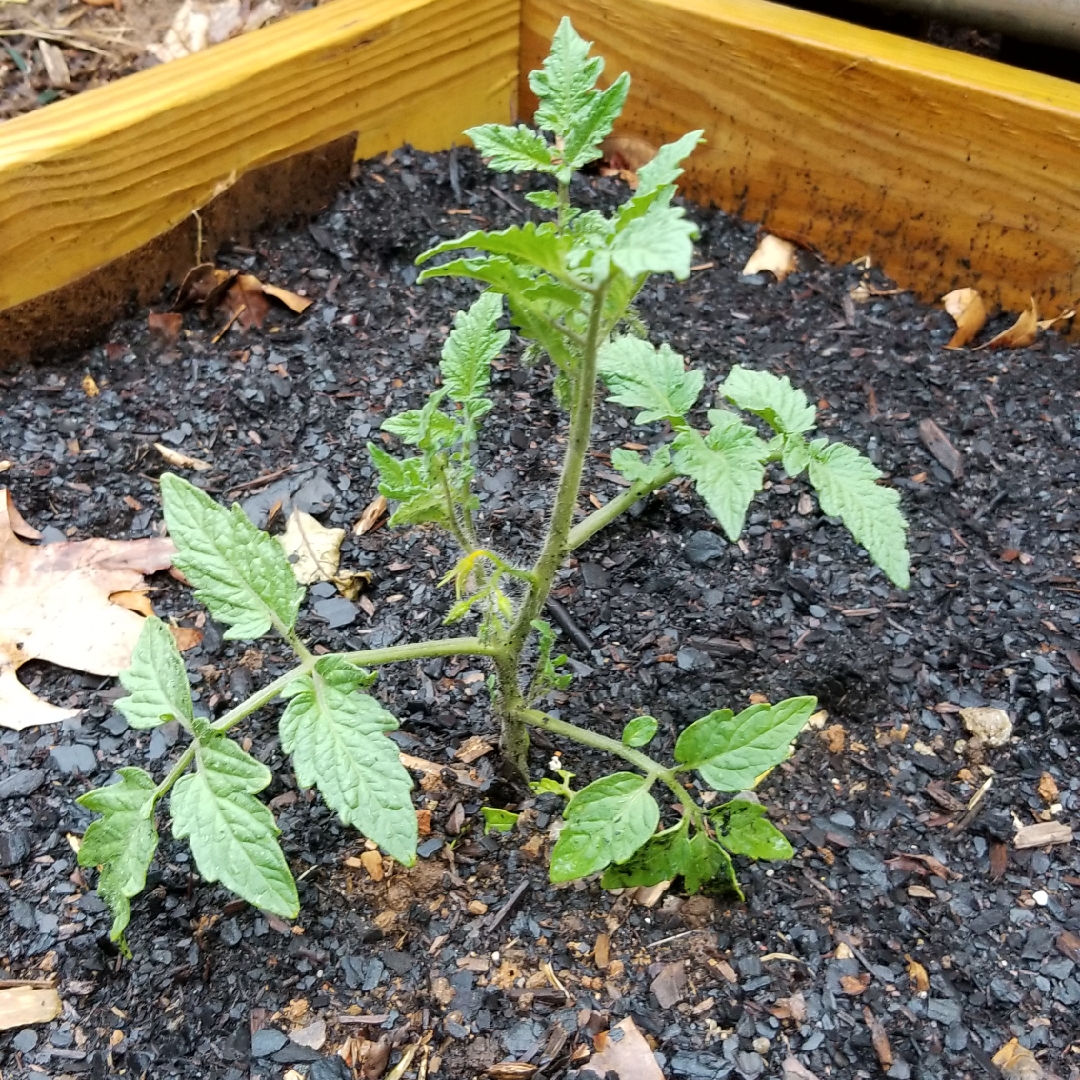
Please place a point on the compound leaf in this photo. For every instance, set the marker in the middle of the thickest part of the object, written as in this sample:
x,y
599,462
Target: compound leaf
x,y
565,82
845,483
639,731
337,738
594,124
783,407
731,752
239,572
232,835
512,149
417,426
122,841
546,200
745,829
399,479
666,167
658,242
655,380
661,858
540,246
630,464
472,345
606,822
156,680
726,467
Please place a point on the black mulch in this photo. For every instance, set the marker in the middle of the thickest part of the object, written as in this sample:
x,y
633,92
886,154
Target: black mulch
x,y
678,622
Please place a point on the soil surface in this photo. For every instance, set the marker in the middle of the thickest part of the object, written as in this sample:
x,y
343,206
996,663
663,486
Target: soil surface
x,y
900,909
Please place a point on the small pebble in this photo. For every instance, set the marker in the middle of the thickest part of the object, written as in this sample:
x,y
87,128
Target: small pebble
x,y
1041,897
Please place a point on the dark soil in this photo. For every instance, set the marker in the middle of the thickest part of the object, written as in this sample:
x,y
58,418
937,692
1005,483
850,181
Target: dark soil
x,y
677,622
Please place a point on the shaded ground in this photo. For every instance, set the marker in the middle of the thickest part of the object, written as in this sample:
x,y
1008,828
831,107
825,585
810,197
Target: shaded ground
x,y
678,622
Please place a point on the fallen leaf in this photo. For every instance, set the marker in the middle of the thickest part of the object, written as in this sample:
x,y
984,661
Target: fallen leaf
x,y
937,442
969,313
1017,1062
1046,324
21,1006
993,726
166,325
293,301
90,388
186,637
472,748
296,1010
775,255
1048,789
602,951
790,1008
879,1038
623,1051
313,549
181,461
626,152
245,301
1068,945
1046,832
205,285
921,864
352,582
54,605
834,737
794,1069
371,861
134,600
999,859
1020,335
19,525
920,980
855,984
55,64
372,515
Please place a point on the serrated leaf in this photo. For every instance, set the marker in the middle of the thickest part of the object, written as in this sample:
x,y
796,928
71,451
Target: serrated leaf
x,y
564,83
232,835
745,829
472,345
594,124
413,426
731,752
239,572
726,467
783,407
606,822
496,820
157,679
655,380
337,738
662,857
709,864
666,166
512,149
540,246
546,200
794,454
122,841
631,465
399,479
427,508
845,483
658,242
639,731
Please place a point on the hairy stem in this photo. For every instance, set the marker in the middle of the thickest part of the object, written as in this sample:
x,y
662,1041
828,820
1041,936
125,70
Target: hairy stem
x,y
451,507
421,650
600,519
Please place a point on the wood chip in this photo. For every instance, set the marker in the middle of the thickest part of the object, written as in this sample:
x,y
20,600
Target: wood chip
x,y
999,859
879,1038
372,862
21,1006
669,986
627,1055
602,951
649,895
794,1069
1068,944
937,442
1046,832
473,748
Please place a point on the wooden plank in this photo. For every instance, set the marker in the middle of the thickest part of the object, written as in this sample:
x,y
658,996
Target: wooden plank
x,y
948,169
87,180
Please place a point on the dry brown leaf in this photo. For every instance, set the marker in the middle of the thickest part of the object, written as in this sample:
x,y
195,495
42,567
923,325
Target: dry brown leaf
x,y
372,863
879,1038
969,313
293,301
90,388
352,583
1017,1062
166,325
626,152
19,525
181,461
790,1008
21,1006
937,442
1048,789
1046,324
245,301
372,515
999,859
1020,335
54,605
775,255
855,984
186,637
134,600
920,980
204,285
313,550
602,951
627,1054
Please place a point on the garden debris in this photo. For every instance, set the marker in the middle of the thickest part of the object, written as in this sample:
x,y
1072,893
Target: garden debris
x,y
90,388
473,748
920,980
834,737
969,313
1048,789
1017,1062
669,986
992,726
794,1069
623,155
55,63
313,550
623,1051
312,1035
511,1070
879,1037
1042,834
241,297
937,442
21,1006
200,23
1020,335
778,257
181,461
166,325
54,605
1068,944
372,516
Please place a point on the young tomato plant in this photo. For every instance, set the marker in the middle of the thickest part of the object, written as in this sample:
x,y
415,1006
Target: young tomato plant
x,y
568,286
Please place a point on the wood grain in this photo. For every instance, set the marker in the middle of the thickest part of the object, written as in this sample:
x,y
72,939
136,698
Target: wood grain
x,y
948,169
89,179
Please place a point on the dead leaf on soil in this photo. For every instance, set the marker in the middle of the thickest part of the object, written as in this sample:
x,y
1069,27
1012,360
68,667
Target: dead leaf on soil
x,y
19,525
1020,335
920,980
313,550
1017,1062
1048,789
627,152
166,325
186,637
90,388
937,442
293,301
623,1051
775,255
134,600
54,605
969,313
1046,324
352,583
181,461
854,984
372,515
790,1008
21,1006
242,297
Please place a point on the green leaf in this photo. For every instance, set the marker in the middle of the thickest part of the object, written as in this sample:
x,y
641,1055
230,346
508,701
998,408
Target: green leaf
x,y
156,680
726,467
666,167
512,149
662,857
593,125
845,483
745,829
655,380
539,246
122,841
496,820
630,464
232,835
565,82
731,752
774,399
658,242
546,200
606,822
709,864
239,572
429,507
794,453
639,731
399,479
472,345
414,427
337,739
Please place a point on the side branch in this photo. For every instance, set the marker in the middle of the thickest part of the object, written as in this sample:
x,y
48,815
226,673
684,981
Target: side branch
x,y
600,519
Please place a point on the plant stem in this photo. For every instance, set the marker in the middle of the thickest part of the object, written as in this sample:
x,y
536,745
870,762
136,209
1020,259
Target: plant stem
x,y
600,519
421,650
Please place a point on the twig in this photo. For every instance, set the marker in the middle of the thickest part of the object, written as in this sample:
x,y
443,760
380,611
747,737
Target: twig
x,y
511,900
365,1018
505,198
266,478
568,626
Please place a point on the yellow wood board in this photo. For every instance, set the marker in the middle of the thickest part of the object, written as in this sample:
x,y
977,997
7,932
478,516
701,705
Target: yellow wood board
x,y
89,179
950,170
